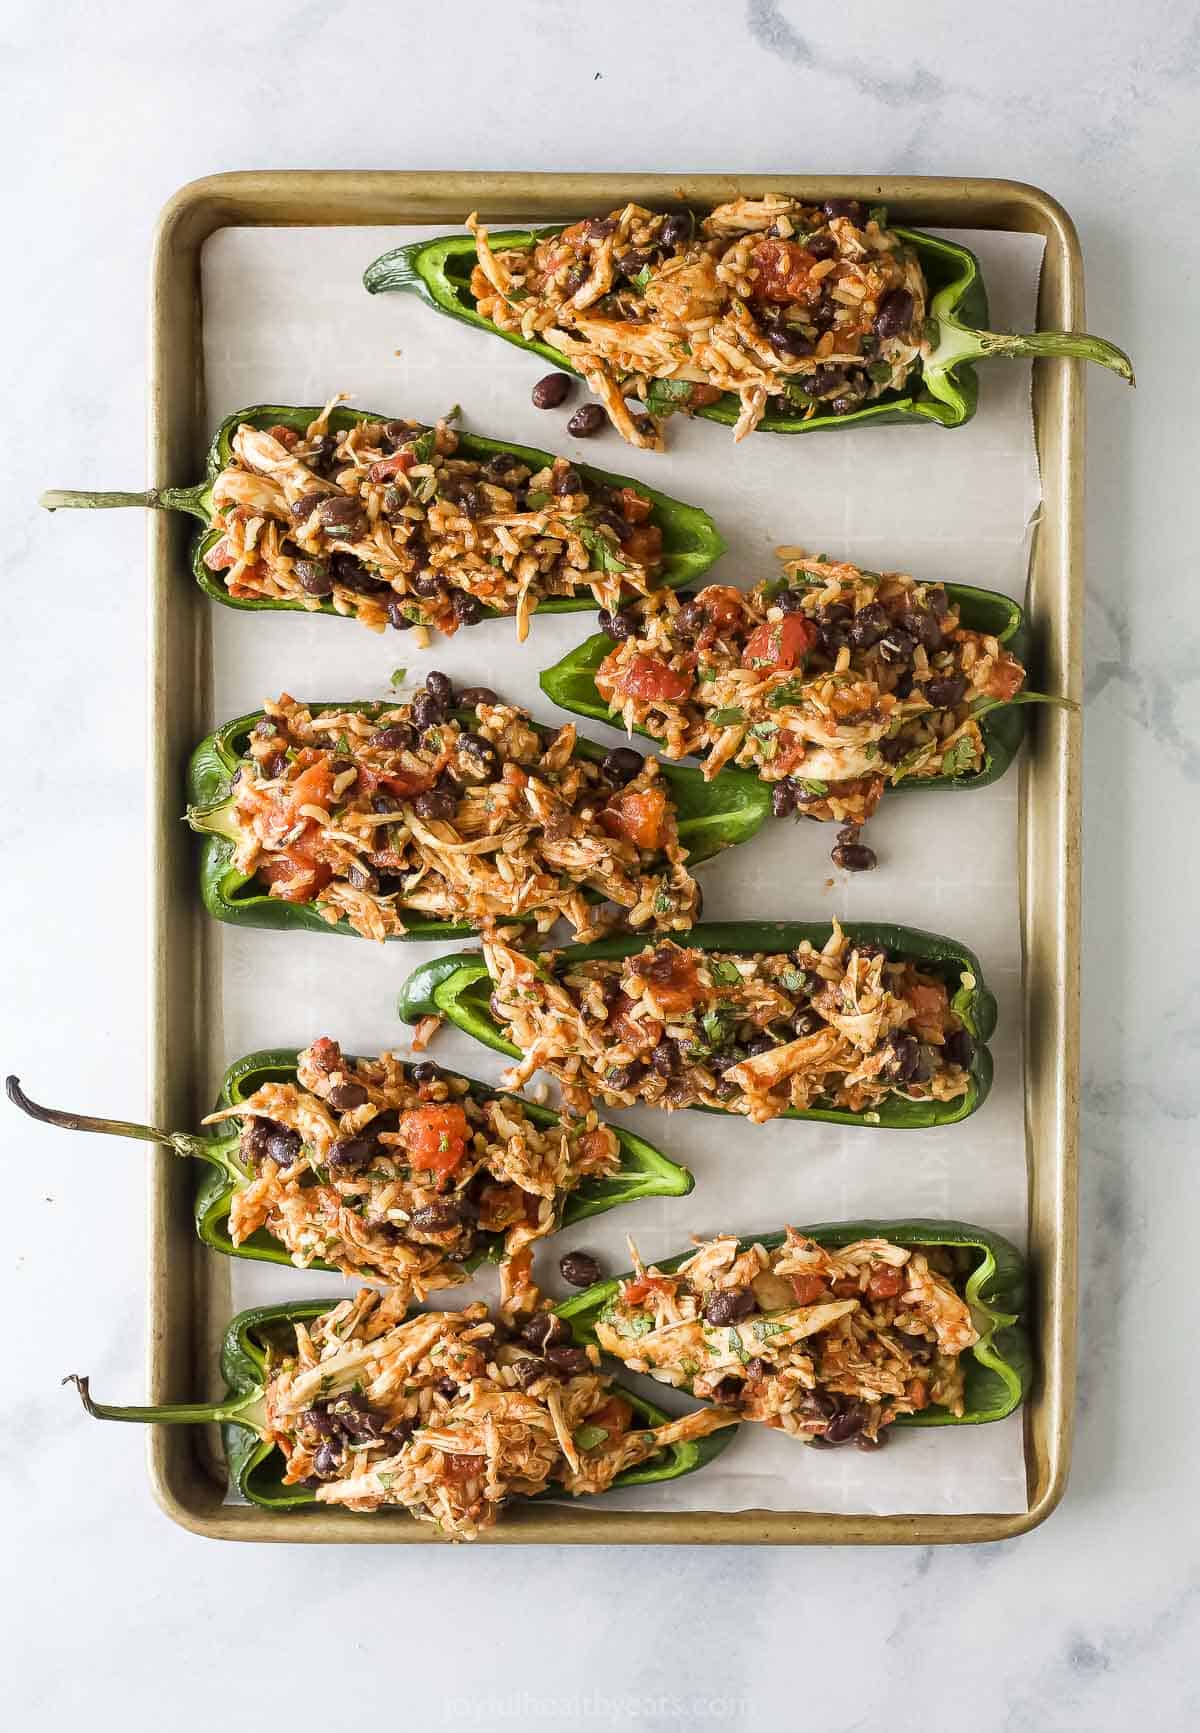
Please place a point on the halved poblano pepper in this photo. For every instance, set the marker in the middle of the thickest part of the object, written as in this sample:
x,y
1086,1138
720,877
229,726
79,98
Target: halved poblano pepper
x,y
459,988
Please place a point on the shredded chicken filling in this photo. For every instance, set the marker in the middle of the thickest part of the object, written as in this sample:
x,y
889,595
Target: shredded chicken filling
x,y
782,304
759,1035
833,683
401,1175
387,523
831,1344
447,1416
375,820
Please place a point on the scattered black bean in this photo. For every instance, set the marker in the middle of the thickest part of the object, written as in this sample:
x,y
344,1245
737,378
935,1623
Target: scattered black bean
x,y
854,857
845,1425
435,1218
483,761
959,1048
396,737
467,609
397,617
783,797
895,313
622,764
599,228
275,765
759,1044
320,1421
821,245
918,1348
946,693
788,340
328,1460
315,577
868,626
623,1078
677,229
566,481
665,1058
572,1362
728,1305
447,1387
435,803
345,1097
341,515
528,1372
425,1072
851,208
588,419
303,508
352,1152
549,392
617,626
544,1331
471,697
897,645
351,574
581,1269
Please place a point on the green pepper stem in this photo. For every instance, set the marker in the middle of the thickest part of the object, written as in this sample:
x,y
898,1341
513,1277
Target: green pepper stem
x,y
157,498
217,819
957,343
983,706
247,1410
204,1148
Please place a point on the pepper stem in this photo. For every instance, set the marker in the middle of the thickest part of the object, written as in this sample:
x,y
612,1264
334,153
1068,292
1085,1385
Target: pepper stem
x,y
957,343
245,1410
205,1148
982,706
157,498
217,819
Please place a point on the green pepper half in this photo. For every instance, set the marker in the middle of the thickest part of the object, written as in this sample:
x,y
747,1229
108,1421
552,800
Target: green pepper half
x,y
710,817
946,389
690,545
458,987
644,1171
256,1467
571,683
1000,1366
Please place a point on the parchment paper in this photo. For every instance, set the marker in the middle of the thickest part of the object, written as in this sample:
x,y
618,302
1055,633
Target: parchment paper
x,y
287,321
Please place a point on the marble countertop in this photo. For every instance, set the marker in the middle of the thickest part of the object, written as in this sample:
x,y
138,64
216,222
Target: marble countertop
x,y
108,1610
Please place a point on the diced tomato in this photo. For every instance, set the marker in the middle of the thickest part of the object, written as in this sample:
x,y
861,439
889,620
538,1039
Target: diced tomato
x,y
220,557
780,643
614,1415
930,1002
644,1286
287,436
637,816
846,1288
780,271
648,678
313,787
886,1283
807,1289
595,1146
388,467
671,977
918,1393
459,1466
643,545
723,606
397,782
295,869
435,1136
1005,679
643,1034
634,507
700,396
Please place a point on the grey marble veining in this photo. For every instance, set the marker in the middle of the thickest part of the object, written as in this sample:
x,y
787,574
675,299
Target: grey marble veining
x,y
1092,1622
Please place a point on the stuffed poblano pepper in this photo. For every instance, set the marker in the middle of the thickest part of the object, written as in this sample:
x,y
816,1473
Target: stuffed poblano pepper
x,y
857,1025
340,511
832,684
393,1173
450,1416
764,313
833,1333
449,814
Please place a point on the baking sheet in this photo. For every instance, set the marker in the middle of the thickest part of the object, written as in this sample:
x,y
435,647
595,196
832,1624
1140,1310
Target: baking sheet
x,y
286,321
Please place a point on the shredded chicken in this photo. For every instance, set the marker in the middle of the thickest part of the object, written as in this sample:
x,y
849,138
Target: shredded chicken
x,y
833,683
403,1176
409,812
448,1416
386,521
812,311
828,1343
758,1035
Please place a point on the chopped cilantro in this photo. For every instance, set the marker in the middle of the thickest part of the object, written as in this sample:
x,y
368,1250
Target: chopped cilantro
x,y
725,718
725,974
810,785
397,676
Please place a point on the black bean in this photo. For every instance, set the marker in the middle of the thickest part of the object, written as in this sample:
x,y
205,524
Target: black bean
x,y
791,601
471,697
303,508
471,502
623,1078
581,1269
435,803
482,759
917,1348
806,1023
351,574
528,1372
677,229
320,1421
544,1331
345,1097
845,1425
904,683
439,686
844,208
959,1048
630,264
617,626
938,600
826,380
573,282
435,1218
895,313
946,693
622,764
924,626
689,621
730,1390
822,245
425,1072
401,1432
589,418
328,1460
757,1367
427,712
385,803
759,1044
447,1387
352,1152
820,1403
788,340
783,798
355,1416
864,1441
728,1305
854,857
665,1058
572,1362
467,609
868,626
266,1137
897,645
426,584
905,1054
397,617
599,228
399,433
341,515
549,392
566,481
315,577
275,765
396,737
850,833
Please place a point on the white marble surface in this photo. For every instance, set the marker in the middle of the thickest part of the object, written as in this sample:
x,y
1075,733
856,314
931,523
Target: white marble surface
x,y
112,1614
